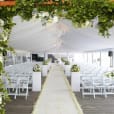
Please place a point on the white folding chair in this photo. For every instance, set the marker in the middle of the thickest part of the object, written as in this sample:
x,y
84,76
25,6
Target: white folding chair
x,y
87,86
12,86
109,86
98,86
23,86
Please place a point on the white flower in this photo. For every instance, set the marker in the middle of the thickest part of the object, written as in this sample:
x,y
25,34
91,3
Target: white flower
x,y
1,58
1,22
4,35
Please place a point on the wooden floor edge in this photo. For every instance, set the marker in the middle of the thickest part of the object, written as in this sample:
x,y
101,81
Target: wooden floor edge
x,y
38,99
80,111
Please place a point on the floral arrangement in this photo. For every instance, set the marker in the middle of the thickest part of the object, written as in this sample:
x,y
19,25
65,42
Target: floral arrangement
x,y
110,74
75,68
36,68
45,62
67,63
63,59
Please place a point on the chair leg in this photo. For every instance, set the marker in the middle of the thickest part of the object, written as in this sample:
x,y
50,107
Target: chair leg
x,y
15,97
93,93
105,94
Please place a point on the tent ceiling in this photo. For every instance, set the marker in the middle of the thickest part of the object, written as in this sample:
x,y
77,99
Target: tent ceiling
x,y
57,37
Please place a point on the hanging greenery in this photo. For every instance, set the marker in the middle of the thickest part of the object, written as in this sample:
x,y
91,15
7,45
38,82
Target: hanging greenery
x,y
95,13
80,12
4,35
24,8
99,12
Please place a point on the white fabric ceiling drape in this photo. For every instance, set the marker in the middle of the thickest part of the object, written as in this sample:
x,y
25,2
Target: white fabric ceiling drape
x,y
57,37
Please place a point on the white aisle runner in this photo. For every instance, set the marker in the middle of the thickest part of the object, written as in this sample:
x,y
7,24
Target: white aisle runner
x,y
55,97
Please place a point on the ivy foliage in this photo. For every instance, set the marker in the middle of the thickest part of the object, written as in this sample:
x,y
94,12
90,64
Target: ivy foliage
x,y
5,97
99,12
78,11
102,11
24,8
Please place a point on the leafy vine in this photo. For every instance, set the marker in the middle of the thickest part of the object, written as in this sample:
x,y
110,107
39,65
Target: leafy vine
x,y
78,11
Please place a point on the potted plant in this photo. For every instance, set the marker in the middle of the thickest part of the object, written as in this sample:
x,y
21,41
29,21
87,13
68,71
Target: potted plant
x,y
75,78
62,59
45,62
110,74
67,63
67,68
36,78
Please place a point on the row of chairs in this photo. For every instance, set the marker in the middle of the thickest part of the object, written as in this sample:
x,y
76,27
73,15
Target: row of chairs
x,y
17,85
94,81
85,69
20,79
99,85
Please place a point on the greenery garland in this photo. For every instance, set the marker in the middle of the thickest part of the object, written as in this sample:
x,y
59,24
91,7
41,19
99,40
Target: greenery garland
x,y
23,8
102,11
99,12
75,68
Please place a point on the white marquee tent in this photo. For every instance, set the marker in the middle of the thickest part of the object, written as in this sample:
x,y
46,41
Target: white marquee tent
x,y
57,37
